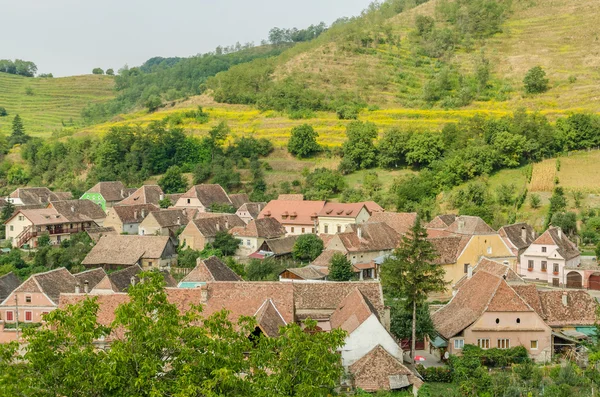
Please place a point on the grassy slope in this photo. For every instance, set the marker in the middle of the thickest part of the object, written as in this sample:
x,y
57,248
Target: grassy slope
x,y
53,102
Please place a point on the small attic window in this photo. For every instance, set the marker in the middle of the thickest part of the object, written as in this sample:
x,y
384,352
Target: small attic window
x,y
329,211
543,249
348,212
339,212
518,320
497,321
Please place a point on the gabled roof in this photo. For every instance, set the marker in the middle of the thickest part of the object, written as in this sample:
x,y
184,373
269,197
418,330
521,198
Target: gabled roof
x,y
239,199
252,208
171,217
133,213
449,248
373,237
92,276
495,268
269,319
401,222
292,212
325,258
529,293
78,210
352,311
260,228
515,233
111,191
125,250
470,225
210,225
121,280
282,245
51,283
342,210
96,233
8,283
441,221
580,308
208,195
309,272
211,269
37,195
555,236
379,370
147,194
41,216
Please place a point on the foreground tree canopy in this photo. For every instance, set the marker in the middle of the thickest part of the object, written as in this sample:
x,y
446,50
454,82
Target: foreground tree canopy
x,y
162,352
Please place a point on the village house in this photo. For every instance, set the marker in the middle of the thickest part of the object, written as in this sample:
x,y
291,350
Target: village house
x,y
165,222
297,217
249,211
126,219
275,247
401,222
146,194
202,229
79,211
107,194
239,199
210,269
316,270
33,196
115,252
121,280
96,233
203,197
518,237
552,258
334,217
253,235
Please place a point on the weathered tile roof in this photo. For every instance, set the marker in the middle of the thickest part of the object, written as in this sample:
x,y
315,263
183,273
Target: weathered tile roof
x,y
282,245
470,225
401,222
125,250
252,208
309,272
96,233
121,279
133,213
505,299
210,225
373,237
441,221
55,282
111,191
239,199
208,194
147,194
292,212
8,283
379,370
352,311
263,228
172,217
495,268
515,233
78,210
580,308
449,248
325,258
92,276
554,236
269,319
41,216
529,293
211,269
36,195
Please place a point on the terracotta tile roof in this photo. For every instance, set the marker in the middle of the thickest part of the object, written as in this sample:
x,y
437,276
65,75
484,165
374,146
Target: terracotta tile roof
x,y
211,269
61,196
515,233
133,213
373,207
291,197
172,217
96,233
208,194
121,279
55,282
352,311
263,228
379,370
529,293
326,238
440,233
507,300
8,283
237,200
210,225
36,195
41,216
449,248
252,208
554,236
292,212
373,237
401,222
147,194
342,210
495,268
441,221
309,272
281,246
470,225
111,191
78,210
579,310
125,250
269,319
92,276
325,258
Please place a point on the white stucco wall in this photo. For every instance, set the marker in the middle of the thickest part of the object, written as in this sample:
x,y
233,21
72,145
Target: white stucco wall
x,y
364,338
551,256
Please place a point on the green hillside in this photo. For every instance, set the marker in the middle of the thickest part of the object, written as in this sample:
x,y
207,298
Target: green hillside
x,y
47,104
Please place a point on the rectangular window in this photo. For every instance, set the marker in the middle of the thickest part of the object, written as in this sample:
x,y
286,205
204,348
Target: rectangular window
x,y
189,201
313,230
534,345
21,217
543,249
10,316
459,344
149,264
483,343
303,230
530,265
466,268
292,230
503,343
28,298
326,229
12,228
248,242
544,266
28,316
489,250
555,265
339,228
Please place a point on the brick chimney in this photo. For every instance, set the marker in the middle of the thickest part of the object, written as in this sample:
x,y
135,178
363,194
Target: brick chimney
x,y
77,289
86,286
524,234
135,214
204,293
565,299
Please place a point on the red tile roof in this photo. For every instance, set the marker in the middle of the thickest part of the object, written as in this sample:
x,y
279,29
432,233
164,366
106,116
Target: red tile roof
x,y
378,370
401,222
263,228
352,311
292,212
342,210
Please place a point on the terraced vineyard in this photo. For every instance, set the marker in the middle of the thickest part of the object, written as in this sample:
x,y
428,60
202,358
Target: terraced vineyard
x,y
48,104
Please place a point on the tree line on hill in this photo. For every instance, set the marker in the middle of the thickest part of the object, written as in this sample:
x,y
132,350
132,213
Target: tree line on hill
x,y
18,67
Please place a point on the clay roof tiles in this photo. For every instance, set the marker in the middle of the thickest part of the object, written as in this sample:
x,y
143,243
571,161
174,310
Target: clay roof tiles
x,y
263,228
210,224
373,237
211,269
78,210
37,195
125,250
269,319
352,311
208,194
239,199
470,225
8,283
111,191
92,276
147,194
133,213
401,222
252,208
554,236
281,210
580,308
378,369
515,232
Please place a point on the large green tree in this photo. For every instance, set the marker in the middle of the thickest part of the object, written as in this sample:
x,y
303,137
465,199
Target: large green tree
x,y
340,268
307,247
226,243
535,80
173,181
18,136
303,141
411,274
359,149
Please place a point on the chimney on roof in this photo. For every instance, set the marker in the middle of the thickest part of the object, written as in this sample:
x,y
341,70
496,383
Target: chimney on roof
x,y
565,299
461,225
359,232
77,289
132,280
523,234
143,212
122,193
204,293
72,208
469,271
86,286
179,220
161,197
560,233
135,214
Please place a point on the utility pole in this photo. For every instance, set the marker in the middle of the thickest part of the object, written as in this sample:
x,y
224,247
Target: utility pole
x,y
17,314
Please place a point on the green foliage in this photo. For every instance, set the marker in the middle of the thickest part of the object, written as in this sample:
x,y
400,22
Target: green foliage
x,y
424,24
222,208
18,67
401,321
323,183
558,201
359,151
435,374
153,103
392,148
423,148
267,269
567,221
3,112
97,71
535,200
340,268
303,141
474,18
225,243
535,80
307,247
43,240
18,135
347,112
173,181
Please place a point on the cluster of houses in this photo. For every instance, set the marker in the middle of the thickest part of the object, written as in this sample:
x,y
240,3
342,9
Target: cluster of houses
x,y
507,287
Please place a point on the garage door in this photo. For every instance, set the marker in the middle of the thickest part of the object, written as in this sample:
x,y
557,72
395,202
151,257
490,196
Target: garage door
x,y
574,280
594,282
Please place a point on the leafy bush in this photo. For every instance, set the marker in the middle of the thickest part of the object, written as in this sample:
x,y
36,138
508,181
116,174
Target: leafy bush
x,y
435,374
535,81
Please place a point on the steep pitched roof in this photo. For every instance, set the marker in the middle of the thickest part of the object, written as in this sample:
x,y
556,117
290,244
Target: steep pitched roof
x,y
125,250
209,226
211,269
401,222
269,319
133,213
292,212
555,236
121,279
96,233
237,200
78,210
111,191
352,311
580,308
92,276
515,233
449,248
263,228
369,237
441,221
41,216
309,272
171,217
282,245
470,225
147,194
507,300
252,208
529,293
495,268
34,195
342,210
325,258
8,283
54,282
379,370
208,194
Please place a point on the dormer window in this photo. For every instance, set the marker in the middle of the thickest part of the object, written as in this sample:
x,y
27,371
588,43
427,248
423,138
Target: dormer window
x,y
543,249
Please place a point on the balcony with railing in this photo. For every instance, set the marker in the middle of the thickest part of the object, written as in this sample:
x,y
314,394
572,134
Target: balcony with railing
x,y
31,232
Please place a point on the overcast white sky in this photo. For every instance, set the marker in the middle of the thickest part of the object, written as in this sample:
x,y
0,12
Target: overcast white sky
x,y
71,37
